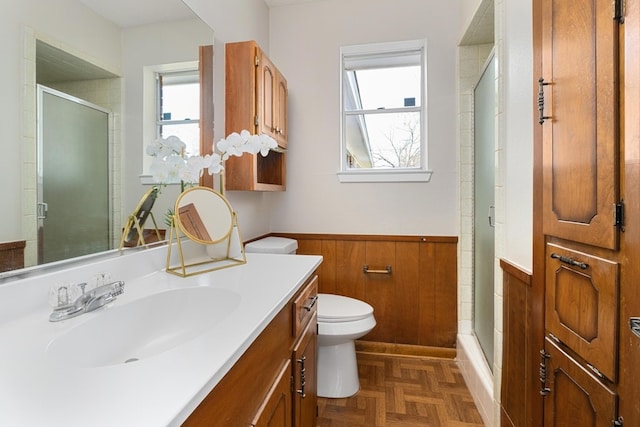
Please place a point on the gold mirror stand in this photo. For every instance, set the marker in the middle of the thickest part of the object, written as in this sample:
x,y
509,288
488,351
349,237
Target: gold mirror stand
x,y
225,251
138,218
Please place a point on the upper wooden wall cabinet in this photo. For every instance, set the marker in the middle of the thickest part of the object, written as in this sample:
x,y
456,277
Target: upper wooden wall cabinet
x,y
255,100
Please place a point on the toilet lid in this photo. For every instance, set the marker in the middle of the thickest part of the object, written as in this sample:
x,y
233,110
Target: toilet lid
x,y
338,308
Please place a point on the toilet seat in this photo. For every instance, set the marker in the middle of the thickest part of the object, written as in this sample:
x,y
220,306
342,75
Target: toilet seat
x,y
338,308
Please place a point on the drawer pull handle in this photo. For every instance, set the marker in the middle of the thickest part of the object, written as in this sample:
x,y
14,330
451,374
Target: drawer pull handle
x,y
312,303
387,270
544,390
541,85
303,379
570,261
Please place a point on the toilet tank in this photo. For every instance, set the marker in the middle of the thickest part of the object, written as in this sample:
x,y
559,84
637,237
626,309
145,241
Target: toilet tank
x,y
272,245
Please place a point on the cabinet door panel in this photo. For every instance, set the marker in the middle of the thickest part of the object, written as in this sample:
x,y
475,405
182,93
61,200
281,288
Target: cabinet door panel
x,y
266,84
305,398
582,305
275,410
576,398
281,111
580,146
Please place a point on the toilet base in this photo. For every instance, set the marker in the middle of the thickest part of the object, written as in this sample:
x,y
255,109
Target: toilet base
x,y
338,370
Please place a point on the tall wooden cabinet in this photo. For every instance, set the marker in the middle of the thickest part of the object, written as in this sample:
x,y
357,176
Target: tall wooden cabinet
x,y
255,100
579,252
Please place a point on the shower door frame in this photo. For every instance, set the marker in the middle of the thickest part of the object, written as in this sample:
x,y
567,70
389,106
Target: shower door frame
x,y
41,90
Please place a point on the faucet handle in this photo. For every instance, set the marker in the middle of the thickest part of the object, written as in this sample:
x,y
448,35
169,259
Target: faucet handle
x,y
118,288
60,295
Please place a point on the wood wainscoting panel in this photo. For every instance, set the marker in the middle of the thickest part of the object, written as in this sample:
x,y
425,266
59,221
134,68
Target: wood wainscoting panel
x,y
12,255
518,380
439,278
416,304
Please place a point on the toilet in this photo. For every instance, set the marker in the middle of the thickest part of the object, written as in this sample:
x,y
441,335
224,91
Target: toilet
x,y
341,321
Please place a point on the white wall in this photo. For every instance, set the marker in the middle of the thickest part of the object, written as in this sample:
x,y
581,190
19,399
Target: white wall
x,y
305,42
237,21
517,128
151,45
77,28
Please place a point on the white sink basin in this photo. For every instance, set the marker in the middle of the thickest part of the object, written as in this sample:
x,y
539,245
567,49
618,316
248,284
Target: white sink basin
x,y
143,328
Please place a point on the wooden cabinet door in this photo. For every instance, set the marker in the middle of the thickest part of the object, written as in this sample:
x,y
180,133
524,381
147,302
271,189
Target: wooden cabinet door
x,y
580,134
281,95
582,305
576,397
266,86
275,410
305,398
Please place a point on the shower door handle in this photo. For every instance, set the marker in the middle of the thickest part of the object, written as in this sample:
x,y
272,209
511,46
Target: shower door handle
x,y
492,210
43,210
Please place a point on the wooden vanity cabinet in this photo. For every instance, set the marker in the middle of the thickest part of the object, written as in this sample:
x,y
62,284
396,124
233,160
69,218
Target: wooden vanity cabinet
x,y
255,100
261,389
305,377
275,410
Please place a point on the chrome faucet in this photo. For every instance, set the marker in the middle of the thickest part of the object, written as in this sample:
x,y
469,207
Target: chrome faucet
x,y
87,301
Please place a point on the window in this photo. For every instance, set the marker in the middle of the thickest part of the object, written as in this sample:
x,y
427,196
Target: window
x,y
170,106
178,107
383,115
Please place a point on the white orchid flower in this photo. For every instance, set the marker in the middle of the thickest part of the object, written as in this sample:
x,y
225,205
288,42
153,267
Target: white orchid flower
x,y
267,143
171,165
233,145
175,144
214,163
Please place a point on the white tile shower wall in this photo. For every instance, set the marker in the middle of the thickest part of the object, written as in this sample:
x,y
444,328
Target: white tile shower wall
x,y
471,62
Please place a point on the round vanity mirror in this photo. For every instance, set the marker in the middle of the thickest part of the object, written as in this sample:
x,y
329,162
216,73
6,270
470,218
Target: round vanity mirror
x,y
203,215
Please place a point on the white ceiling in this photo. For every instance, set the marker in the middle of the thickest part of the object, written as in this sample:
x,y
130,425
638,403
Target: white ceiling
x,y
283,2
128,13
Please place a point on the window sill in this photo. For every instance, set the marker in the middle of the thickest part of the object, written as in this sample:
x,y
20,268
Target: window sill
x,y
385,176
150,180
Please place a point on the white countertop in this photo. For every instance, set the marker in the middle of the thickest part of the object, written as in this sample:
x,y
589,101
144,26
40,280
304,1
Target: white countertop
x,y
156,391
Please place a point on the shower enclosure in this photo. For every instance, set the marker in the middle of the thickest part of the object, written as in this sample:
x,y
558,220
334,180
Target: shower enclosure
x,y
484,210
73,188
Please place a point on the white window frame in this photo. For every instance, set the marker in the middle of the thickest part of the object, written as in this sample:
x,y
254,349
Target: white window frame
x,y
421,174
150,111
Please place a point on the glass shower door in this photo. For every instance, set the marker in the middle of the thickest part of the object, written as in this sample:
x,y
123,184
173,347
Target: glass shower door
x,y
484,210
73,177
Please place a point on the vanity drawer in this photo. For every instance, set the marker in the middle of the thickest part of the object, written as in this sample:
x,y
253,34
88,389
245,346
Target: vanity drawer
x,y
582,305
305,305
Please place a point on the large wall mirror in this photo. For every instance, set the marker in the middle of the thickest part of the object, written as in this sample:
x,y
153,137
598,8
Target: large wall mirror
x,y
77,58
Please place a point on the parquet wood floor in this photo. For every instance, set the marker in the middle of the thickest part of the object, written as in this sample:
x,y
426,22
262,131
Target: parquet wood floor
x,y
398,391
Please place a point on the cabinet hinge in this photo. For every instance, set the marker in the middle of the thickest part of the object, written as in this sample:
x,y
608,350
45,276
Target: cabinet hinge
x,y
618,10
618,220
617,423
256,120
257,59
